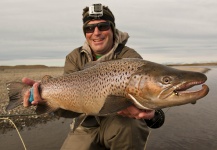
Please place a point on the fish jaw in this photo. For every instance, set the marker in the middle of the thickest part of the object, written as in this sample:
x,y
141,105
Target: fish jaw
x,y
170,97
166,87
180,95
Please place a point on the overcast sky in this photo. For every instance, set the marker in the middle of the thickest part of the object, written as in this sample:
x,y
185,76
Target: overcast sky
x,y
164,31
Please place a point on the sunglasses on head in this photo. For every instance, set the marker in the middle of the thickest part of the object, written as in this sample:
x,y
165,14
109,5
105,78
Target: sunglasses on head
x,y
102,26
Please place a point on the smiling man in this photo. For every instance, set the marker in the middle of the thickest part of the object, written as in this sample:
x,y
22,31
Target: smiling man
x,y
105,42
100,43
124,131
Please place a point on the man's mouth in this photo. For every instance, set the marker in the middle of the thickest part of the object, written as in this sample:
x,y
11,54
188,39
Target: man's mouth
x,y
97,40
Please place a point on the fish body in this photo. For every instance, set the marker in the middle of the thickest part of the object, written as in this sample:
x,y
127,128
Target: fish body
x,y
108,87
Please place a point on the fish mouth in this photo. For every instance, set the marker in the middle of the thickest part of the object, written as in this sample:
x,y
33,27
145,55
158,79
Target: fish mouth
x,y
186,93
185,89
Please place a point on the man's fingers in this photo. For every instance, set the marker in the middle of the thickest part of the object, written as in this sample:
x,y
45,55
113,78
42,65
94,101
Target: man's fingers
x,y
28,81
26,99
37,97
147,114
129,112
134,112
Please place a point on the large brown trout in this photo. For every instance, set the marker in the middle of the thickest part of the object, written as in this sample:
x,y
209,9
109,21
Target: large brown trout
x,y
108,87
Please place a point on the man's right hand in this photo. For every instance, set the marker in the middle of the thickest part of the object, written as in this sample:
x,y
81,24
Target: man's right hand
x,y
37,97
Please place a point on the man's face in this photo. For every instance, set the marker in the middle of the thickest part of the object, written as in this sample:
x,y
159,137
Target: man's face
x,y
101,42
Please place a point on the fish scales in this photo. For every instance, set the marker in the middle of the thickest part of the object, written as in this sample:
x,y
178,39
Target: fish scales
x,y
90,86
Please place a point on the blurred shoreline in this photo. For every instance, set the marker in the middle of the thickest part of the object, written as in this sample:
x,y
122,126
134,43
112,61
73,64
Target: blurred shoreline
x,y
44,66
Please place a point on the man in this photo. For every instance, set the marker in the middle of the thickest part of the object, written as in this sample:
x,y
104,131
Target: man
x,y
125,131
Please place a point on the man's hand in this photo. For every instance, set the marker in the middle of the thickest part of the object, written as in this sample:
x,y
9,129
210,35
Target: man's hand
x,y
134,112
37,97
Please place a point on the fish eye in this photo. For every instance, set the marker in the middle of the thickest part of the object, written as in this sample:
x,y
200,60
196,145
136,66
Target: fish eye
x,y
166,80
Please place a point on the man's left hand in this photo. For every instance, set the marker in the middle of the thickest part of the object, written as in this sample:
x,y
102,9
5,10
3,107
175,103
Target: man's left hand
x,y
134,112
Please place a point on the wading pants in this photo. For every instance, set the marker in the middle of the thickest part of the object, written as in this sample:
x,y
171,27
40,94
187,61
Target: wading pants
x,y
114,133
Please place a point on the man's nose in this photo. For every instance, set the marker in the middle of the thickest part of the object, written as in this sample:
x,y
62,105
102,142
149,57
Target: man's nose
x,y
96,31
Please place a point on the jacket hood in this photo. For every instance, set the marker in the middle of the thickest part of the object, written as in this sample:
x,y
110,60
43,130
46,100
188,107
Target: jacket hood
x,y
121,37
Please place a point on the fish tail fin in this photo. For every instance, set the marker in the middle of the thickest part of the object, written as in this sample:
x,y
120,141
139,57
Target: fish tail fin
x,y
16,91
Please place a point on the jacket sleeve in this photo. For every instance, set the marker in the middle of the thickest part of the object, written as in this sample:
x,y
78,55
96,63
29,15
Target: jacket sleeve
x,y
69,66
70,62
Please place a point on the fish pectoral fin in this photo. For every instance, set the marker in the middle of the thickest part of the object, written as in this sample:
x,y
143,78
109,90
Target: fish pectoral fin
x,y
46,108
136,101
114,104
79,120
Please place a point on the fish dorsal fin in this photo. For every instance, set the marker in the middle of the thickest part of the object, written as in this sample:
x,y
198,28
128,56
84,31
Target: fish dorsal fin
x,y
93,63
137,103
114,104
46,78
90,64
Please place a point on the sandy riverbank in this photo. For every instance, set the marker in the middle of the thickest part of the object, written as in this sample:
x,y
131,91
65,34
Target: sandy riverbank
x,y
21,116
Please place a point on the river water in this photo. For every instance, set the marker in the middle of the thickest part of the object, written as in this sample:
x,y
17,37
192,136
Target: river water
x,y
188,127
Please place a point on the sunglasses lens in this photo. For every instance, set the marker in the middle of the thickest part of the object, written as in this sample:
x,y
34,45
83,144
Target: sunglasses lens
x,y
89,28
103,26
